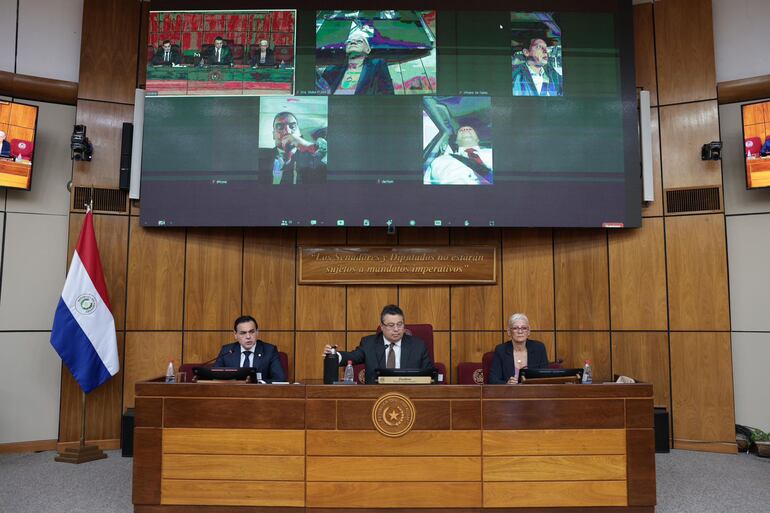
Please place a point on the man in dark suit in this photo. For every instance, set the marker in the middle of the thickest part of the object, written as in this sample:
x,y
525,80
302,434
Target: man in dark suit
x,y
249,351
263,57
519,353
166,55
294,160
219,54
360,74
390,349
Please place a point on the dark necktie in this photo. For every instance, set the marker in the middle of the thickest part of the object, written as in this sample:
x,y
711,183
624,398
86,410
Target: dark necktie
x,y
246,355
165,56
391,364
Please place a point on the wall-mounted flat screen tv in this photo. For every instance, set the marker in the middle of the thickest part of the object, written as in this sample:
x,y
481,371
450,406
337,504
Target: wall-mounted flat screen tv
x,y
431,116
756,143
17,144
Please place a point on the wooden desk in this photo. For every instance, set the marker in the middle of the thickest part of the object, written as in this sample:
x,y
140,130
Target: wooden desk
x,y
315,448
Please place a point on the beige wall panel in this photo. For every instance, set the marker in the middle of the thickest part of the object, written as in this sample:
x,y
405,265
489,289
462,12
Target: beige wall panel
x,y
683,130
147,357
697,273
684,44
751,352
104,123
309,353
582,296
477,307
32,397
103,405
655,207
321,307
8,36
638,277
155,278
644,50
112,239
644,357
110,29
213,278
702,387
425,305
268,277
575,347
34,267
748,251
364,304
528,276
738,200
53,167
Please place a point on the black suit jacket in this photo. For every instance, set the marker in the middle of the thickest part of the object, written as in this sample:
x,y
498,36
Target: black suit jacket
x,y
374,79
5,149
310,168
269,58
502,364
371,351
265,359
174,57
225,59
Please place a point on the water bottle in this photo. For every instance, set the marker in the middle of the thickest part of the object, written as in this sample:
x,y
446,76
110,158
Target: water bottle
x,y
331,367
588,373
170,374
349,373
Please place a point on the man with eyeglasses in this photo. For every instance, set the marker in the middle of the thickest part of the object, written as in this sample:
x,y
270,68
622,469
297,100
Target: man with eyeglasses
x,y
392,348
360,74
520,352
294,160
249,351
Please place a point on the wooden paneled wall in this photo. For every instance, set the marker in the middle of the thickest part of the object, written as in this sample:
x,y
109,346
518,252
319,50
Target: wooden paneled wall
x,y
650,302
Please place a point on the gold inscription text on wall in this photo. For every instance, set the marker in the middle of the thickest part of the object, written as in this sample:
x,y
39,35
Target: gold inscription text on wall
x,y
392,265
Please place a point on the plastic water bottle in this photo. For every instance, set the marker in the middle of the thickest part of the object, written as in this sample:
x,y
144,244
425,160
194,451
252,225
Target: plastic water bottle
x,y
588,373
349,373
170,374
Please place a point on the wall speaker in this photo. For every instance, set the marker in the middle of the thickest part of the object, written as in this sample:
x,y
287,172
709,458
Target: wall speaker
x,y
125,156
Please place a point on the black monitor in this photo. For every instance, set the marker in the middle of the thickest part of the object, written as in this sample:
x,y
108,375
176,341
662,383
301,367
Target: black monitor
x,y
551,373
225,373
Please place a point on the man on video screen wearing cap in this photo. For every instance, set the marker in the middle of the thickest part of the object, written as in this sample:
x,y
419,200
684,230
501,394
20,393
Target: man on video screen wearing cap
x,y
360,74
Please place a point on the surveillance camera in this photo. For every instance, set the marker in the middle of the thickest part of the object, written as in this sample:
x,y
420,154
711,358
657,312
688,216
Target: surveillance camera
x,y
80,145
711,151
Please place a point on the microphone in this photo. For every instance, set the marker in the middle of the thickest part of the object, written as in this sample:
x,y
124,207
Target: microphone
x,y
204,364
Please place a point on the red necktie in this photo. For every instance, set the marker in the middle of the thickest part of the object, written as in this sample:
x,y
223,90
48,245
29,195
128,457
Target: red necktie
x,y
474,156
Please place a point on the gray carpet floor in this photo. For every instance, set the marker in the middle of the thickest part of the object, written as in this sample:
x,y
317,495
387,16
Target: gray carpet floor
x,y
688,482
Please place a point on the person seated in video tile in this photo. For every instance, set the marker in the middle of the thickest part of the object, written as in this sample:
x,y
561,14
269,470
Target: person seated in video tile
x,y
470,164
392,348
166,55
263,57
5,146
294,160
249,351
360,74
219,54
519,353
535,76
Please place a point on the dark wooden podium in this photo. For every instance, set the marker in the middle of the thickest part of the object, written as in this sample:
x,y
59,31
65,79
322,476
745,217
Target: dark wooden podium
x,y
322,449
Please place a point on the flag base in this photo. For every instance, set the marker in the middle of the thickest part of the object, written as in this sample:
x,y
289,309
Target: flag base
x,y
80,454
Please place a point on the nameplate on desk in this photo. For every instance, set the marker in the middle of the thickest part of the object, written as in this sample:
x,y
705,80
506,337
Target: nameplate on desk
x,y
404,380
393,265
